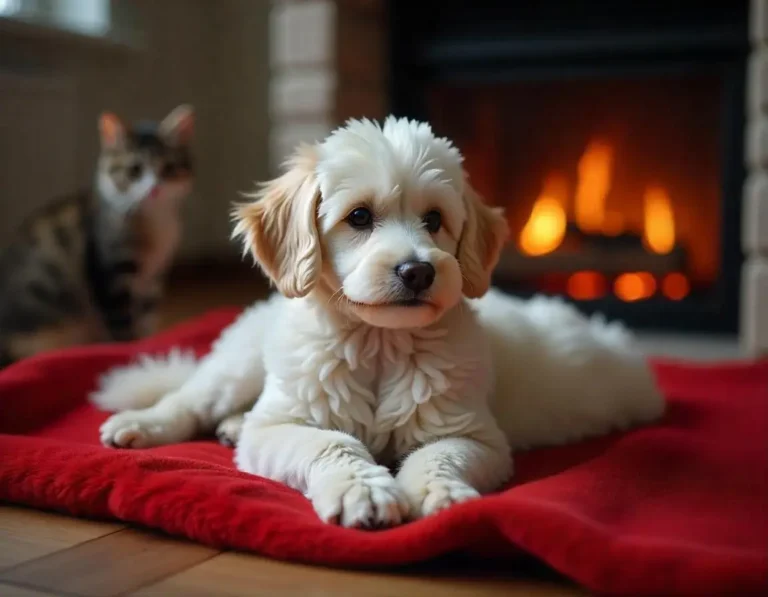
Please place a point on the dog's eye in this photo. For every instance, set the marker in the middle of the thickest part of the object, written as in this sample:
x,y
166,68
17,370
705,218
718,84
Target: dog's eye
x,y
432,221
360,218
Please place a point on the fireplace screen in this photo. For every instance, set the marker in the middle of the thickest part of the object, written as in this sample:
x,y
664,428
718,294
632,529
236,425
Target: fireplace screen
x,y
612,187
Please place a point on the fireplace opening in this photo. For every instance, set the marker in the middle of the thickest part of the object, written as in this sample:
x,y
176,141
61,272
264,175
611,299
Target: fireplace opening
x,y
615,149
610,188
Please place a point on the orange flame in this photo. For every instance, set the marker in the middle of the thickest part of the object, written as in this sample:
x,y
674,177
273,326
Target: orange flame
x,y
675,286
586,285
659,229
634,286
595,174
547,225
613,224
545,229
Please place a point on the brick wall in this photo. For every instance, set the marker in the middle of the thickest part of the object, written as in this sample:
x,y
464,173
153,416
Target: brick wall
x,y
327,64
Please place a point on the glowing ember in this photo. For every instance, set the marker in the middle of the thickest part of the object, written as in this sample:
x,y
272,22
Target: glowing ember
x,y
586,285
545,228
659,233
675,286
634,286
595,172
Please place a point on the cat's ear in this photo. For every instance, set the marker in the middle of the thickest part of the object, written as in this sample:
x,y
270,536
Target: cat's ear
x,y
177,128
111,131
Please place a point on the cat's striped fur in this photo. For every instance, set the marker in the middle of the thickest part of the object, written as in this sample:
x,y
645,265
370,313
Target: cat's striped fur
x,y
90,267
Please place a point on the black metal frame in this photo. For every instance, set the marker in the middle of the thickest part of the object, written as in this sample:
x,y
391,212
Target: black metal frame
x,y
423,52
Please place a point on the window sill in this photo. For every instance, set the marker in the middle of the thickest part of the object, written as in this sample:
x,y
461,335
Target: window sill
x,y
42,29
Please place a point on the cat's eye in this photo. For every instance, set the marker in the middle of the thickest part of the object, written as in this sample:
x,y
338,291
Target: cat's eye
x,y
360,218
134,171
432,221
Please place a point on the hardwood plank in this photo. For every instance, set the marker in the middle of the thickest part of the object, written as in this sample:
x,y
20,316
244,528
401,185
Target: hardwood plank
x,y
118,563
236,575
14,591
29,534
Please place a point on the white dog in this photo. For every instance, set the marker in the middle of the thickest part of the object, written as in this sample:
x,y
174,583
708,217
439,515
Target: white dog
x,y
372,357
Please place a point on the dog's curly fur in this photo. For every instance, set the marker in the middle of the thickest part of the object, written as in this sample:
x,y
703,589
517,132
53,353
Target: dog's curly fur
x,y
352,371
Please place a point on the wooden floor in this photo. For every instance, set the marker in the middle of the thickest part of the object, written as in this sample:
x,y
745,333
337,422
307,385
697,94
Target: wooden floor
x,y
44,554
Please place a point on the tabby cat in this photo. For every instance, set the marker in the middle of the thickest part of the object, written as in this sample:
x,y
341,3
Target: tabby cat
x,y
90,267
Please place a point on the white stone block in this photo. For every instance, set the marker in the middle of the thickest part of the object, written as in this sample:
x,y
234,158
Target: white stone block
x,y
754,310
756,143
302,33
302,93
755,214
757,83
758,21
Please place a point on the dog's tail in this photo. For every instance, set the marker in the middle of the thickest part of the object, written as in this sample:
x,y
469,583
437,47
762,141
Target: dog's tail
x,y
143,383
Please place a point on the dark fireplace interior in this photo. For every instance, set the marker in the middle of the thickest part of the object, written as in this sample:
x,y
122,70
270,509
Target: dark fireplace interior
x,y
612,133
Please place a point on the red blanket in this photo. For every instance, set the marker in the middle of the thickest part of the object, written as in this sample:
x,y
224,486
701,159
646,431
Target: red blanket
x,y
680,508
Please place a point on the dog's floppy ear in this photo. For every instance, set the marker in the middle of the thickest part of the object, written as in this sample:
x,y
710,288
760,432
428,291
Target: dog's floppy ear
x,y
280,229
485,232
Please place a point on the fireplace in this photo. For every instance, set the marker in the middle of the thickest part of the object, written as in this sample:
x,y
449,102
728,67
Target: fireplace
x,y
613,137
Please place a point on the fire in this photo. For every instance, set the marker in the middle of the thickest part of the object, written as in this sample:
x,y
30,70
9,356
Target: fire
x,y
586,285
545,228
595,174
634,286
613,224
675,286
659,229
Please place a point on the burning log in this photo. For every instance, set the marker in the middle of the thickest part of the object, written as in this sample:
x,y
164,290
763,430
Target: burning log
x,y
607,254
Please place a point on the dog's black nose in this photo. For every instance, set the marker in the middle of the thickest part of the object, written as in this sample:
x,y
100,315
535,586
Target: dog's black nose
x,y
416,275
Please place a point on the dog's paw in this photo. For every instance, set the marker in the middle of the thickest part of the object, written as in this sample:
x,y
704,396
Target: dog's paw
x,y
367,498
141,429
228,431
436,495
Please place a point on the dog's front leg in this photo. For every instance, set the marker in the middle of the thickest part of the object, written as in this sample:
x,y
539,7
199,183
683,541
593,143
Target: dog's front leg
x,y
455,469
333,469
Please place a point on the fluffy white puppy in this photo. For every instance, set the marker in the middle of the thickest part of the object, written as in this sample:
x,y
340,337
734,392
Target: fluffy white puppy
x,y
371,357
